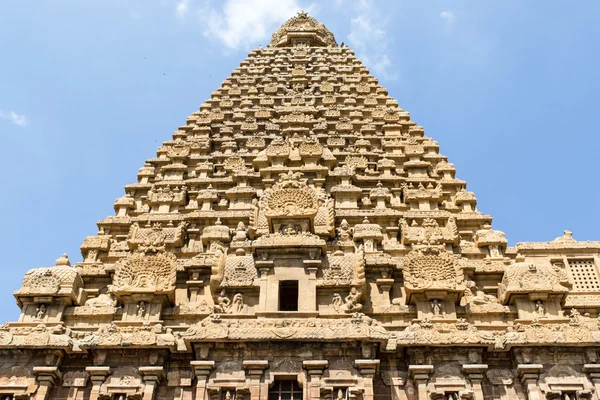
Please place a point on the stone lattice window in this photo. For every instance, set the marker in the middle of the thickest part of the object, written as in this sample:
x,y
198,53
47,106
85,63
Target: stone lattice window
x,y
285,390
585,276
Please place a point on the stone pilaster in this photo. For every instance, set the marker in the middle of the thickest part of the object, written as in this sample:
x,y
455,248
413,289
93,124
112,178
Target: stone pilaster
x,y
593,373
315,369
310,303
97,376
202,371
46,377
475,373
529,375
263,267
152,376
367,369
420,375
255,370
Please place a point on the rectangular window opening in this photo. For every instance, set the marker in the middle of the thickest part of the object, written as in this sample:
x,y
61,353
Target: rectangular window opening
x,y
285,390
288,296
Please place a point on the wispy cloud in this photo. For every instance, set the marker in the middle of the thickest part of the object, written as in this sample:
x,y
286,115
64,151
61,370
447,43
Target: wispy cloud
x,y
182,8
239,24
448,18
368,37
13,117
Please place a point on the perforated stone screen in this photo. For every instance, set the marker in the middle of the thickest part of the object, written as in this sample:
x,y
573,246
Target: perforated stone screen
x,y
585,276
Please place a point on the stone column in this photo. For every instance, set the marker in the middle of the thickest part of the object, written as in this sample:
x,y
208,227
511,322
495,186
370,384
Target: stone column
x,y
315,370
310,296
529,375
151,376
367,369
593,373
97,376
46,377
202,371
255,370
264,284
475,373
385,285
420,375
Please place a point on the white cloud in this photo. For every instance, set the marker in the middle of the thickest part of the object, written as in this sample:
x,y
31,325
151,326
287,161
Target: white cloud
x,y
368,37
448,17
13,117
181,8
240,24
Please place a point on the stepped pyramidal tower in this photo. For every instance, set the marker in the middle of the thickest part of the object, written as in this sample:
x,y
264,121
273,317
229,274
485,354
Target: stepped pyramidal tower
x,y
300,238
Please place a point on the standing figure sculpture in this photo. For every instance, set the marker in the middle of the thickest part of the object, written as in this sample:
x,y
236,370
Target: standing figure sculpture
x,y
539,308
436,307
237,305
141,309
40,313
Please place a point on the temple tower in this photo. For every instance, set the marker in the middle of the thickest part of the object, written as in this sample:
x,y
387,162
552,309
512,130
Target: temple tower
x,y
300,238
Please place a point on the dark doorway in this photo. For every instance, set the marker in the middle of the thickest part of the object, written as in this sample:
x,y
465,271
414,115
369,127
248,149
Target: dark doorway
x,y
288,296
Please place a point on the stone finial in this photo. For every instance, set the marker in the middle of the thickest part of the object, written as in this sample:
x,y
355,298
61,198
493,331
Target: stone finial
x,y
63,261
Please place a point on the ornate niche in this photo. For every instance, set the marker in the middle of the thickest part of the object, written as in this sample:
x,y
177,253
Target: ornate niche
x,y
290,207
145,279
47,291
433,280
538,291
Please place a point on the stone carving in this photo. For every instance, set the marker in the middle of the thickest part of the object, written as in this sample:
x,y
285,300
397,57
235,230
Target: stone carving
x,y
525,278
61,280
290,197
352,301
429,232
436,308
239,271
225,305
432,267
146,273
479,302
155,238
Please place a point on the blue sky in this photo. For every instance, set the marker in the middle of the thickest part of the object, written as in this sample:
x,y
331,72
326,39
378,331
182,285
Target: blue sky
x,y
90,89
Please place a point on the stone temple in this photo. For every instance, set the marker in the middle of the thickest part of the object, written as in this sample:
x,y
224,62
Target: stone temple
x,y
300,238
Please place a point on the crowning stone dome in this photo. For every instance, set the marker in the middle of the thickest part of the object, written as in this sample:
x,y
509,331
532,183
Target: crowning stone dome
x,y
302,28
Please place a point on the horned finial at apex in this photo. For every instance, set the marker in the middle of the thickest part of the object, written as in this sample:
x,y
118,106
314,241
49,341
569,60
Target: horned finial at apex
x,y
302,30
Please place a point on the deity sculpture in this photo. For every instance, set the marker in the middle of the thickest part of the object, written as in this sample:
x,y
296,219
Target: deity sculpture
x,y
351,302
240,233
237,305
436,307
141,309
223,303
539,308
344,232
40,313
336,302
